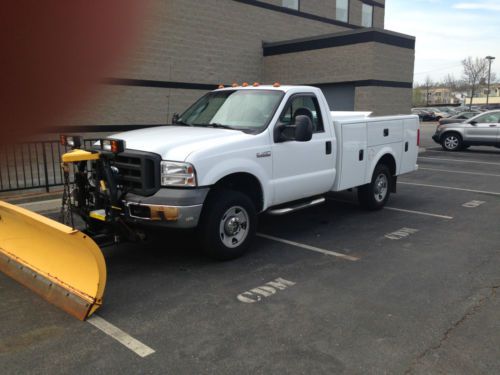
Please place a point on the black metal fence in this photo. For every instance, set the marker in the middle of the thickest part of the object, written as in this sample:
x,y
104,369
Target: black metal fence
x,y
32,165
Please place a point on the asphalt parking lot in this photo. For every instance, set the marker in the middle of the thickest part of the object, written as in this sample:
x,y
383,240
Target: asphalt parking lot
x,y
334,289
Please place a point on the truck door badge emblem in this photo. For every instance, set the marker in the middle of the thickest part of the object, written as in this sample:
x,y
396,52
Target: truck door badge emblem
x,y
264,154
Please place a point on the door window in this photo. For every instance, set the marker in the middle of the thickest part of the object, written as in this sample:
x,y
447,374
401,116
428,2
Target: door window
x,y
303,105
488,118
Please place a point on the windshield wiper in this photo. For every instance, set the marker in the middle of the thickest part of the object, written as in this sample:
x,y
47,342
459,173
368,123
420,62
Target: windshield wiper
x,y
216,125
182,123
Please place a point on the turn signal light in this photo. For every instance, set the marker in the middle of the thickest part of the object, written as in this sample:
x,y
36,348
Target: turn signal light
x,y
70,141
114,145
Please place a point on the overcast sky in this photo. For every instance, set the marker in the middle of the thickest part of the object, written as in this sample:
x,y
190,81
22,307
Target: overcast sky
x,y
447,31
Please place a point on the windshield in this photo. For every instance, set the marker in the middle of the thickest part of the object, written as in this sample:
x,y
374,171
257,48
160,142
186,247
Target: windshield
x,y
249,110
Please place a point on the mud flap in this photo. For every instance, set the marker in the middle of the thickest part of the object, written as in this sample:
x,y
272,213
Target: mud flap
x,y
59,263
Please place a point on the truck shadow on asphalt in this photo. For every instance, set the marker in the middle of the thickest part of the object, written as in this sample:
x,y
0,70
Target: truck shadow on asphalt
x,y
166,248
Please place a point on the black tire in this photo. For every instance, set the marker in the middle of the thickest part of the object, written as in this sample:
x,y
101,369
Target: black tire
x,y
374,196
451,141
225,211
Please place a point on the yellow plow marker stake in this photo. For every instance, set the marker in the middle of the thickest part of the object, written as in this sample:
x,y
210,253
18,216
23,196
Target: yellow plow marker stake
x,y
61,264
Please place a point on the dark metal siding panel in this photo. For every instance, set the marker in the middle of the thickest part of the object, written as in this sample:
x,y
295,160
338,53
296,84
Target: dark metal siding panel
x,y
339,97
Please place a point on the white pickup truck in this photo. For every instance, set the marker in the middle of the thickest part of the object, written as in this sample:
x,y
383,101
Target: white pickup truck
x,y
241,151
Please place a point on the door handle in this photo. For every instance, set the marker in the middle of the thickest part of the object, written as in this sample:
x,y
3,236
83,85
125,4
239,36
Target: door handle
x,y
493,126
406,147
361,155
328,147
386,132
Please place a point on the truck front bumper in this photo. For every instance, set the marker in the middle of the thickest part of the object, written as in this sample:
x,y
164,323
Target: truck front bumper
x,y
173,208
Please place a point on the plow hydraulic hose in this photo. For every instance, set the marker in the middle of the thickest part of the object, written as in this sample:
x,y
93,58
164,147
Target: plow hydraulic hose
x,y
61,264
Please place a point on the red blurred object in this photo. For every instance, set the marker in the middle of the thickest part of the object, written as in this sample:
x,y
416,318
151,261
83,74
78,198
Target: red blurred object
x,y
54,53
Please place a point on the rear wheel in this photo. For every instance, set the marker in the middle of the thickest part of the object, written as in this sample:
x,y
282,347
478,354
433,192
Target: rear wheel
x,y
451,142
228,225
374,195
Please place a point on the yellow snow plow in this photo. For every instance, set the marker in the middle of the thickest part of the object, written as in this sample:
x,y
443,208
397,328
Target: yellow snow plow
x,y
60,263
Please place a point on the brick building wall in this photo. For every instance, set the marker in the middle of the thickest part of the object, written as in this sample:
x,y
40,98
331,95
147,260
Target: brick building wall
x,y
190,46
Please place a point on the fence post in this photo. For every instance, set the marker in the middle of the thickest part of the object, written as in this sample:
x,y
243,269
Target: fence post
x,y
45,170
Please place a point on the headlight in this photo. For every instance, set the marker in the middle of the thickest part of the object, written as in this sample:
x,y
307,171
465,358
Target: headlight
x,y
177,174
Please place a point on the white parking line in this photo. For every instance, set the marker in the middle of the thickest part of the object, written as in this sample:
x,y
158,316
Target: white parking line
x,y
400,209
135,345
307,247
460,172
459,160
450,188
420,213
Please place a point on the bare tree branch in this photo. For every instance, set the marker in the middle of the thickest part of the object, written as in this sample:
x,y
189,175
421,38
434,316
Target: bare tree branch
x,y
475,70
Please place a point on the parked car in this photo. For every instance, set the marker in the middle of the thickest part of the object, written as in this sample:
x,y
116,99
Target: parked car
x,y
490,107
482,129
461,117
449,110
423,115
438,114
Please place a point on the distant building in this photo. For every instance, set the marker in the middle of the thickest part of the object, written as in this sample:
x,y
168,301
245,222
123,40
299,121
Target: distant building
x,y
441,95
482,93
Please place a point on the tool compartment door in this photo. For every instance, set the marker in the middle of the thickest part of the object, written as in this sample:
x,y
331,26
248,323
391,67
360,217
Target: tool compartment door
x,y
354,155
410,147
384,132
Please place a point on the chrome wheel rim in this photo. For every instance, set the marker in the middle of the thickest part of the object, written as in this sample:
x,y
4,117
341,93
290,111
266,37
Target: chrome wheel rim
x,y
234,226
381,187
451,142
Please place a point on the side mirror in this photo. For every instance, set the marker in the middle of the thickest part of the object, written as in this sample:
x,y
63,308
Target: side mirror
x,y
175,118
473,123
303,129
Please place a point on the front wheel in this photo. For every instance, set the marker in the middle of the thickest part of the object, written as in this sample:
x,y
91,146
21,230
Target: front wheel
x,y
374,196
451,142
228,225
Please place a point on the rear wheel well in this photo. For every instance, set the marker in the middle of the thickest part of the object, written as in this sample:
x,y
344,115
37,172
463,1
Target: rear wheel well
x,y
245,183
390,162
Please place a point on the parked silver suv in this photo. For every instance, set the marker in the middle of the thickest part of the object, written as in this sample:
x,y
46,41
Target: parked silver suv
x,y
483,129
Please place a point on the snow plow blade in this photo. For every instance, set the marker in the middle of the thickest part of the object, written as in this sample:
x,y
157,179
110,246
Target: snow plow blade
x,y
59,263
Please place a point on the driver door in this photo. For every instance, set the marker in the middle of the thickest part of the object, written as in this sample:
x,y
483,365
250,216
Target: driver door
x,y
483,129
303,169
